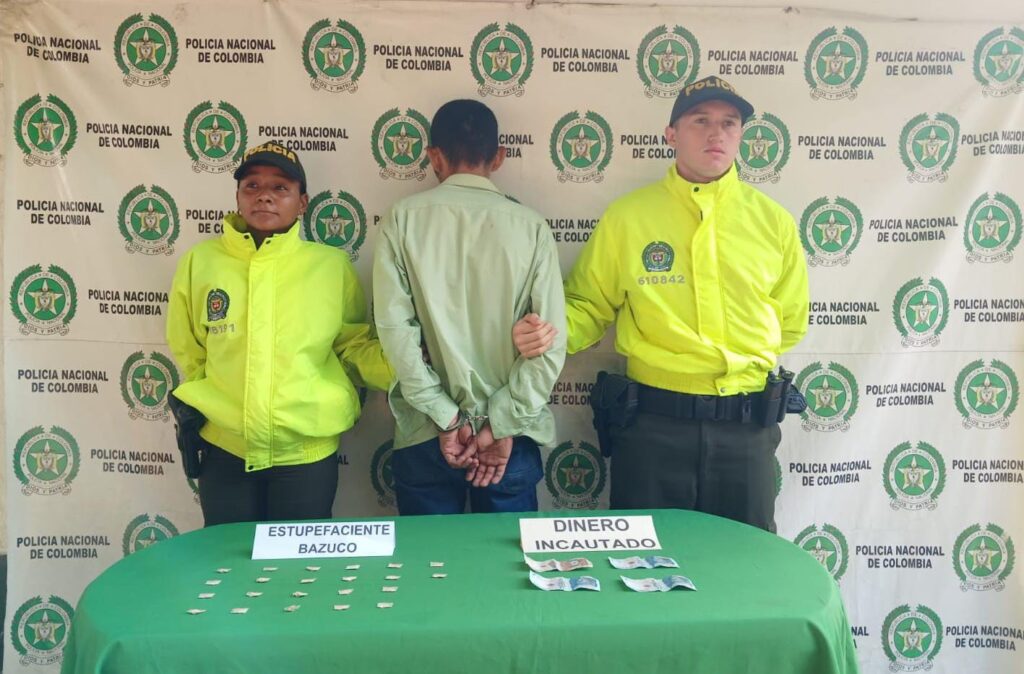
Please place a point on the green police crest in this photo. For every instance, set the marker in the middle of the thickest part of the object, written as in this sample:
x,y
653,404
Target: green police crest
x,y
986,395
575,475
999,62
831,394
146,381
581,147
399,142
39,630
667,60
334,55
911,637
983,557
45,130
381,477
215,137
148,220
993,228
928,147
46,462
835,64
764,149
146,50
920,311
336,219
44,302
145,531
830,231
914,476
501,60
828,546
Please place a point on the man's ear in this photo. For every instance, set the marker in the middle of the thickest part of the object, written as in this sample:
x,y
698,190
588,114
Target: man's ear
x,y
438,161
499,158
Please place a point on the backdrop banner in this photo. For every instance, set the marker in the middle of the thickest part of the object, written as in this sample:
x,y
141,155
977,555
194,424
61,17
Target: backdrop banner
x,y
897,146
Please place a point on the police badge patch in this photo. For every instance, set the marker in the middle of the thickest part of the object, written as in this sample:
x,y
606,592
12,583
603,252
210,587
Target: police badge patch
x,y
216,305
658,256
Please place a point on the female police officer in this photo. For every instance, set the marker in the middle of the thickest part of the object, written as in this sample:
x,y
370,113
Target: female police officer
x,y
271,334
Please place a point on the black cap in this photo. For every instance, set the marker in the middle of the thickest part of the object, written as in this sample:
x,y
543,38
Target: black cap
x,y
708,89
273,154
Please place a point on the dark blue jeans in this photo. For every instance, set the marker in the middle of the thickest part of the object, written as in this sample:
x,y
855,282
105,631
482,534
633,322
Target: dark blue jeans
x,y
426,485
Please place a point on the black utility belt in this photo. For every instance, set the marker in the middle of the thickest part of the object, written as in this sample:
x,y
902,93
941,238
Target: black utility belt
x,y
689,406
616,400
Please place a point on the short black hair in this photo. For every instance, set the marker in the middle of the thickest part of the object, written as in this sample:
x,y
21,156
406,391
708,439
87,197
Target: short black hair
x,y
466,132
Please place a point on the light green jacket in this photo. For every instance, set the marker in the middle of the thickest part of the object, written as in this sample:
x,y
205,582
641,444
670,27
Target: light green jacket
x,y
454,268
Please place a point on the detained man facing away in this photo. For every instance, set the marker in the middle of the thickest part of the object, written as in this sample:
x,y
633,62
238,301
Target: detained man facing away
x,y
454,268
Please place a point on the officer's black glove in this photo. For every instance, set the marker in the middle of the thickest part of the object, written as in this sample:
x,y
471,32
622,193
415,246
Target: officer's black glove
x,y
795,401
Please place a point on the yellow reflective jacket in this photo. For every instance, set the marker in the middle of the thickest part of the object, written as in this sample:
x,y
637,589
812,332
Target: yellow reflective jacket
x,y
269,342
708,282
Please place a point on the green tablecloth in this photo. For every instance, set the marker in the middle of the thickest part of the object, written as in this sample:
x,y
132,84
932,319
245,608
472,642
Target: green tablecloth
x,y
762,605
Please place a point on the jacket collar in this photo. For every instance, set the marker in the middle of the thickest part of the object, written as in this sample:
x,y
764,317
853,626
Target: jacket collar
x,y
682,187
471,181
239,242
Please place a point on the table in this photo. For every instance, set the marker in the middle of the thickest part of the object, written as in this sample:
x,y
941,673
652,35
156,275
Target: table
x,y
762,606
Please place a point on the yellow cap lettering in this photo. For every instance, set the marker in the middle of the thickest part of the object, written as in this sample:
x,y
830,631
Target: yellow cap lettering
x,y
271,147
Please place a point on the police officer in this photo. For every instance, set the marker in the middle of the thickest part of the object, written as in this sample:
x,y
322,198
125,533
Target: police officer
x,y
706,282
271,333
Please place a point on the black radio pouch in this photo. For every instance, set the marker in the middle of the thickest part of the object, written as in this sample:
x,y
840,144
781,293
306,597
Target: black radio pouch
x,y
614,399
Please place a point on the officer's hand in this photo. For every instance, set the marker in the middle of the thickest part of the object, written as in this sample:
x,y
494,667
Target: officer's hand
x,y
533,335
492,455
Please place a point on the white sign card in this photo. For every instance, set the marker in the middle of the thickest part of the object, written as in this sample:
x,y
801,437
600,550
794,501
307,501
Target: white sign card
x,y
324,539
582,534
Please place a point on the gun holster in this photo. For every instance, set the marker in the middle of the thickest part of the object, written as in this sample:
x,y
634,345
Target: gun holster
x,y
795,401
779,398
187,423
614,399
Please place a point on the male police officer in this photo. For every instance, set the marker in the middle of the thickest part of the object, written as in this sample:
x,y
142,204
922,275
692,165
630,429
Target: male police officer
x,y
454,267
705,278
